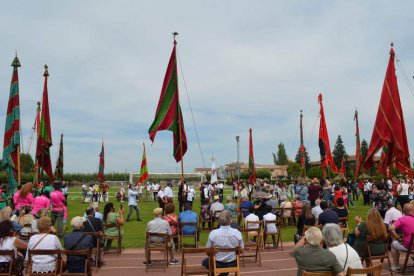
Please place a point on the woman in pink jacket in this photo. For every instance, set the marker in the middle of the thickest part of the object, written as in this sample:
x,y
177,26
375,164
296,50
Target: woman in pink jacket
x,y
24,197
41,202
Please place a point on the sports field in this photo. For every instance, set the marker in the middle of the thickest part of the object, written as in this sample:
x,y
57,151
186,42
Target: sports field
x,y
134,231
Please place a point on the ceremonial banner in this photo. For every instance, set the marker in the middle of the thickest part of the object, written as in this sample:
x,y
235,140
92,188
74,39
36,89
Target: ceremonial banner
x,y
324,147
143,174
252,169
389,129
302,146
101,178
12,131
59,162
44,139
358,155
214,177
168,115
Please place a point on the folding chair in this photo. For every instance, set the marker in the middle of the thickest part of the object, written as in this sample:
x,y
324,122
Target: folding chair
x,y
156,242
215,216
205,221
194,269
194,236
308,273
408,254
251,248
278,234
39,252
369,257
235,269
87,266
114,238
10,254
97,251
373,270
343,222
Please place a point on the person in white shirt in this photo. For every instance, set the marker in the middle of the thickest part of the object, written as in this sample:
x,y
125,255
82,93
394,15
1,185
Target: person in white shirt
x,y
190,194
169,193
402,191
155,190
132,202
270,228
220,189
393,214
251,218
84,191
162,200
317,210
216,206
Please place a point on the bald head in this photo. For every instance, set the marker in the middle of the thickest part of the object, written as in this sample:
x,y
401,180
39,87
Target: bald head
x,y
408,209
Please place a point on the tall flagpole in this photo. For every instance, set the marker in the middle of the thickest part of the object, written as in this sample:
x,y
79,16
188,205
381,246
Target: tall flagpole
x,y
302,147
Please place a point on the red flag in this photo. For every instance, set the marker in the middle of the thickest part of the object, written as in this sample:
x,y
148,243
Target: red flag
x,y
358,156
168,115
302,146
44,138
101,165
143,174
324,147
252,169
389,129
343,168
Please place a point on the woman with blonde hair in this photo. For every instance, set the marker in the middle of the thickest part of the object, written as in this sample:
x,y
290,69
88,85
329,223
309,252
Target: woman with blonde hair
x,y
24,197
374,229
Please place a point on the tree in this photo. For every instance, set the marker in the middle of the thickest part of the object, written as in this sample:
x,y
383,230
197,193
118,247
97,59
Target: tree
x,y
364,149
26,163
314,172
262,173
307,159
339,152
281,158
294,169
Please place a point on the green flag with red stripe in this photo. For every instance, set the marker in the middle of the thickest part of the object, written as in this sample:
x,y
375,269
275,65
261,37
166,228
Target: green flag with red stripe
x,y
143,174
252,169
168,115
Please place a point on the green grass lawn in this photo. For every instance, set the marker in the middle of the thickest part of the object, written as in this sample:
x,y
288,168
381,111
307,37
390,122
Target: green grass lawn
x,y
134,231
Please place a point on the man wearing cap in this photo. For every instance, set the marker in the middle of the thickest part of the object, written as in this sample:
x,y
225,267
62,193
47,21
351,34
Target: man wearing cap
x,y
216,206
77,240
158,225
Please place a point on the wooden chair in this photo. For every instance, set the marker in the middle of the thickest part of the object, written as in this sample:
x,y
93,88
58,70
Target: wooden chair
x,y
156,242
410,251
208,222
39,252
114,238
235,269
308,273
343,222
97,251
251,248
193,236
26,238
197,269
10,254
215,219
87,266
373,270
277,235
369,257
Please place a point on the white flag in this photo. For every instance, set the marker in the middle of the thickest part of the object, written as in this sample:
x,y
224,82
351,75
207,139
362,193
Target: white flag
x,y
213,173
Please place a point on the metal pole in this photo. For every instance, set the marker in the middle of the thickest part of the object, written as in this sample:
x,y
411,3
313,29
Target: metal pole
x,y
238,158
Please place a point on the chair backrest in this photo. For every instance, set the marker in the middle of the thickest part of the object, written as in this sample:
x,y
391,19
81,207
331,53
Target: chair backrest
x,y
269,222
227,269
308,273
152,238
41,252
373,270
253,224
187,225
11,255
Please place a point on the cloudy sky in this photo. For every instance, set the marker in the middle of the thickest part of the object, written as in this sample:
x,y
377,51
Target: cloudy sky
x,y
245,64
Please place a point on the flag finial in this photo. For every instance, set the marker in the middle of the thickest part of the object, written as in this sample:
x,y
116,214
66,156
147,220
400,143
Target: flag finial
x,y
16,62
174,35
392,44
46,74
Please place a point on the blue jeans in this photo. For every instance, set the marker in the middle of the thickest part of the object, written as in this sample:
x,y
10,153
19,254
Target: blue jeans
x,y
206,261
58,216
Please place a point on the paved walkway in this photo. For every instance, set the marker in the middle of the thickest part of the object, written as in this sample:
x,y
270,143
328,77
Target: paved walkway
x,y
274,262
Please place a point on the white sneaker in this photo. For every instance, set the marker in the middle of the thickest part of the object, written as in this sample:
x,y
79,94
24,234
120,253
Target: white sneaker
x,y
395,268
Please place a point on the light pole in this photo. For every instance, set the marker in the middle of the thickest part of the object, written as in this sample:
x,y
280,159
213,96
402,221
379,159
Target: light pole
x,y
238,158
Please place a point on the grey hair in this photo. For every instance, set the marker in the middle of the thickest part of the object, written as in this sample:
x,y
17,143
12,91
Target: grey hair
x,y
313,236
332,235
224,218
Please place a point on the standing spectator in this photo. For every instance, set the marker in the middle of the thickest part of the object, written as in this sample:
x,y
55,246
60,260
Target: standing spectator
x,y
104,189
327,216
169,193
367,191
132,202
379,198
84,191
337,194
43,240
345,254
47,187
190,194
314,191
122,191
40,202
58,202
310,256
162,199
155,189
77,240
4,199
110,217
402,191
65,190
158,225
297,205
24,197
406,225
340,208
9,242
224,237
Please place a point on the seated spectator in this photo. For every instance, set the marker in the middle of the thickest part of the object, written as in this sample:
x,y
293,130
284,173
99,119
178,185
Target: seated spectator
x,y
406,225
188,216
9,242
327,215
310,256
251,217
41,213
77,240
270,227
306,218
286,205
345,254
224,237
172,220
340,208
231,206
25,220
205,211
112,218
158,225
95,206
44,240
245,206
216,206
317,210
93,224
392,215
375,229
6,214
